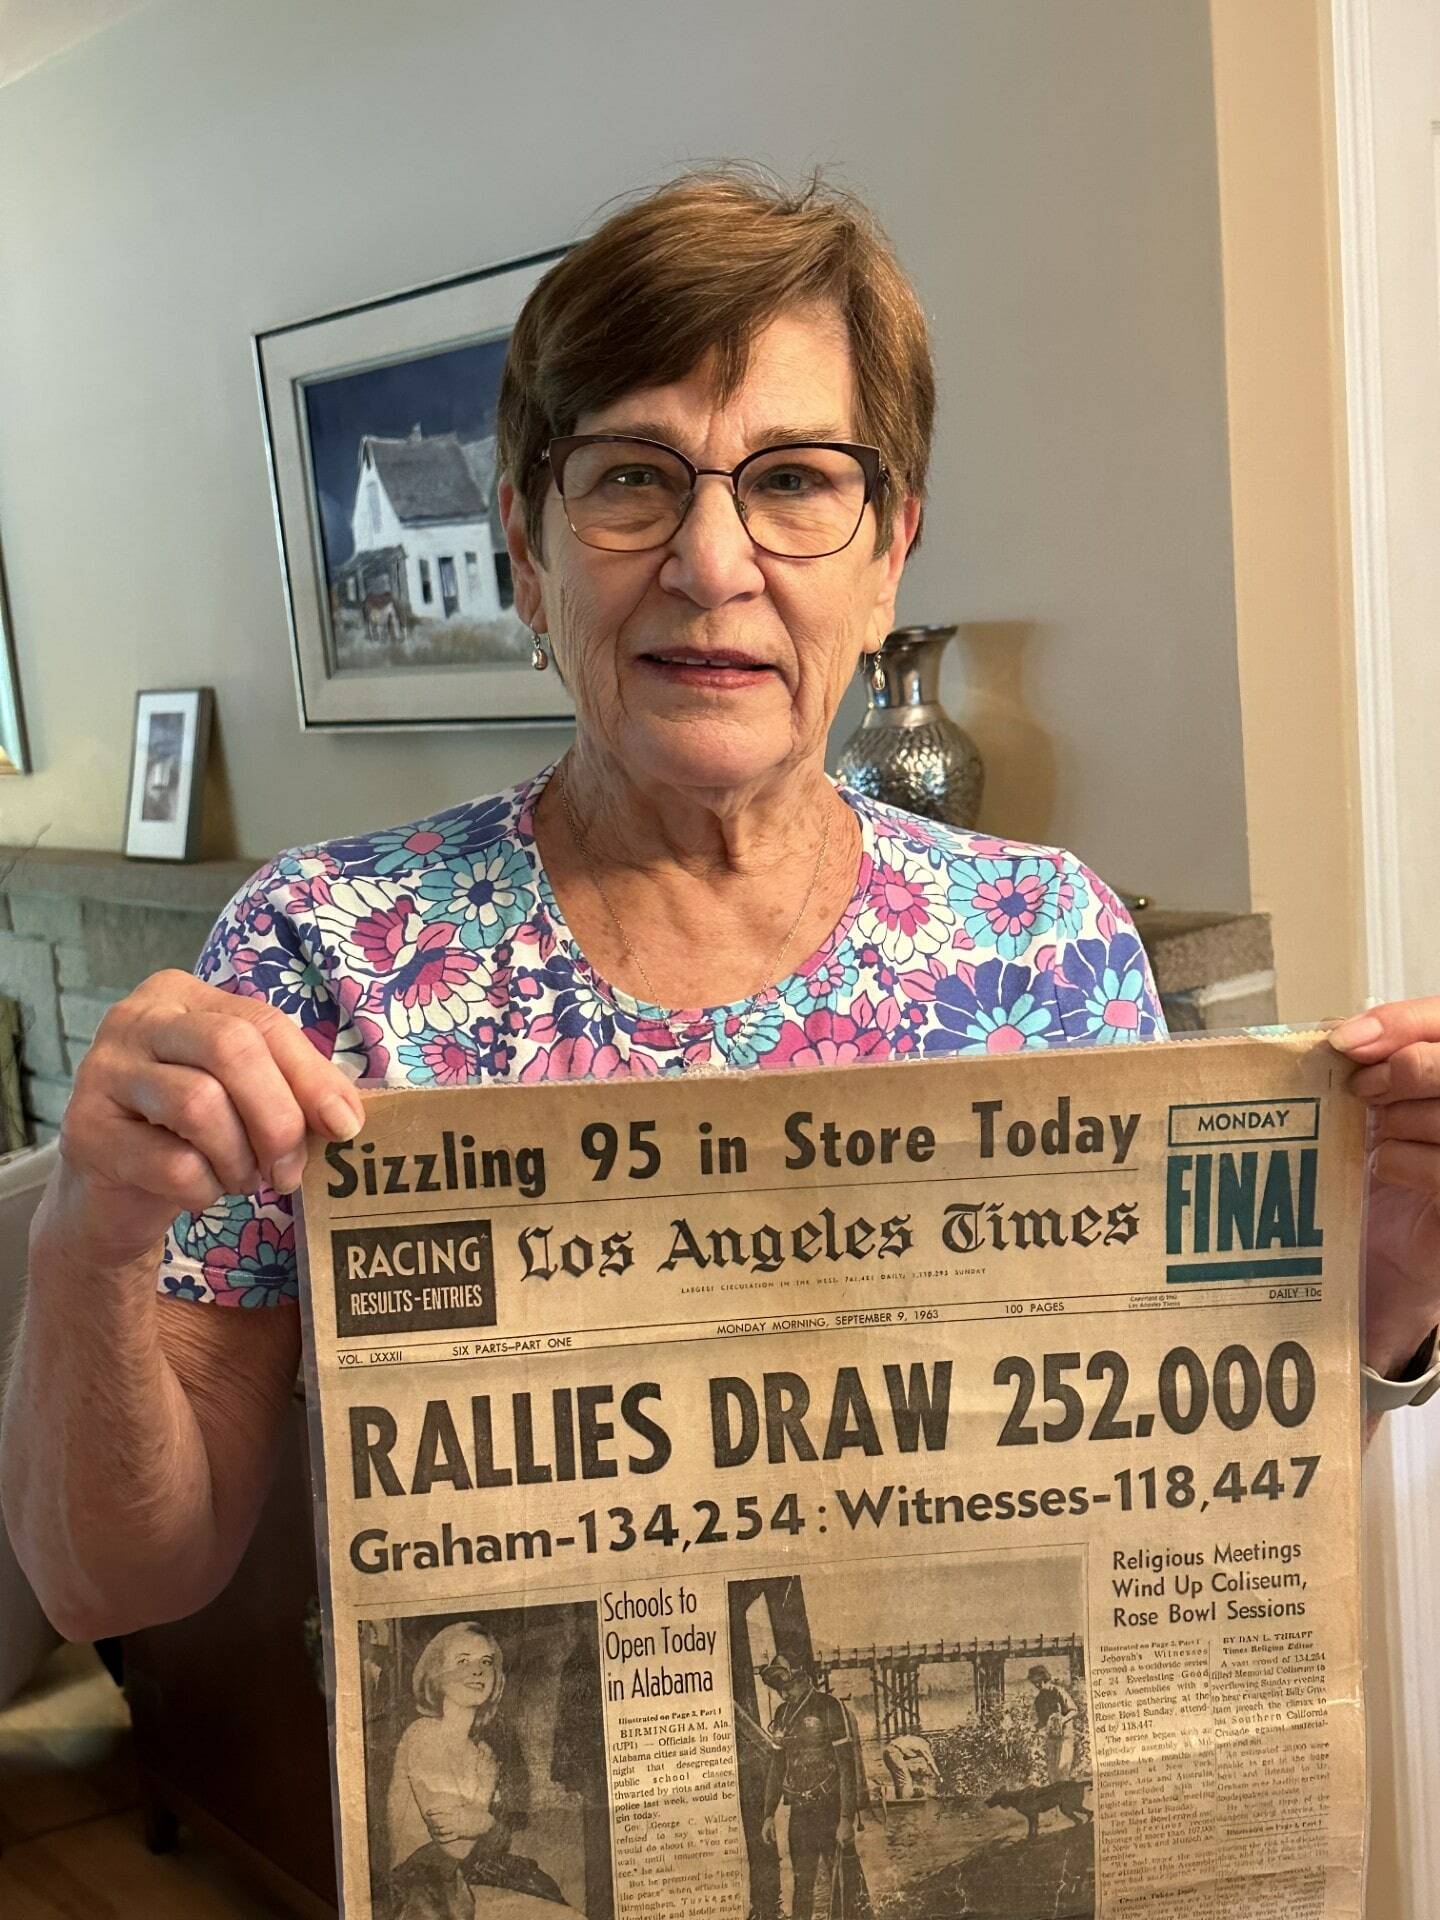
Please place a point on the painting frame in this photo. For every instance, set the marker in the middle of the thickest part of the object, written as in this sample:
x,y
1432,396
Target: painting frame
x,y
367,643
169,749
14,748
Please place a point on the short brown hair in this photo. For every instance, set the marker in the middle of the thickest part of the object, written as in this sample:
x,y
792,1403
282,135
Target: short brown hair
x,y
697,268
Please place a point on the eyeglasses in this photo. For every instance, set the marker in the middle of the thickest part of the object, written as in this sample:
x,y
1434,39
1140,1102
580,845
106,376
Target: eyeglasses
x,y
799,501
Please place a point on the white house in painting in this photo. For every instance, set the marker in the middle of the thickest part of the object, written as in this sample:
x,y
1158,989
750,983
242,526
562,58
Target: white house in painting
x,y
425,534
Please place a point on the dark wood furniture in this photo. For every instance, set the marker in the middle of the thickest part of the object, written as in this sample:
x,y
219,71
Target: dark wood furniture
x,y
230,1721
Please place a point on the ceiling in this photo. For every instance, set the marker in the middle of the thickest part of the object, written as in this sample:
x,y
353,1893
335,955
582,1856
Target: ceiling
x,y
34,31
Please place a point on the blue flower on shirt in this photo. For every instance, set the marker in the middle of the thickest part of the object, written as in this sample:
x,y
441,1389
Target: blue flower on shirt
x,y
287,978
1104,992
178,1286
994,1008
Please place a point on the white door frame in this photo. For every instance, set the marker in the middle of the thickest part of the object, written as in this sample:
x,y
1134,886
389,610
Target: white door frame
x,y
1404,1537
1374,682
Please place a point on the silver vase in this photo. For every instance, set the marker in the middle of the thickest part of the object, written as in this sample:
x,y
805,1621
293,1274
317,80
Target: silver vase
x,y
907,750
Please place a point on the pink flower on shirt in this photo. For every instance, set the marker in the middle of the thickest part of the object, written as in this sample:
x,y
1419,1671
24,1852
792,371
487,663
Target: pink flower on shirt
x,y
421,972
905,907
1012,906
573,1059
387,938
579,1058
262,1266
451,1059
828,1039
429,990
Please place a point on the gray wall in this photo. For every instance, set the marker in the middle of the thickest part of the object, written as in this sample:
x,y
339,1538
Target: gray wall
x,y
202,171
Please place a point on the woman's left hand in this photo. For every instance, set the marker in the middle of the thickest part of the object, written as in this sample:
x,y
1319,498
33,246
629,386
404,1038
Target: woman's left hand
x,y
1397,1051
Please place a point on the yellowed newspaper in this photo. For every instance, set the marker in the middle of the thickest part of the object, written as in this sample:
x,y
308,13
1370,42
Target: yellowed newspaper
x,y
923,1491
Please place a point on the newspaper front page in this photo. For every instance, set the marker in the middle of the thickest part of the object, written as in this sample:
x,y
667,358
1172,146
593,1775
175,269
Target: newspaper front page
x,y
922,1491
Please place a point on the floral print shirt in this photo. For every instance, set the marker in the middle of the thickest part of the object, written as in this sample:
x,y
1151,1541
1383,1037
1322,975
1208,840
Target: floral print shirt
x,y
436,955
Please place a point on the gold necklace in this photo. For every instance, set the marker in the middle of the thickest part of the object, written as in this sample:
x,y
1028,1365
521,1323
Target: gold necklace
x,y
577,834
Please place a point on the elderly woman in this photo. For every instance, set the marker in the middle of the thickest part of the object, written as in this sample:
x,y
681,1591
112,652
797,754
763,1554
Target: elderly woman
x,y
714,435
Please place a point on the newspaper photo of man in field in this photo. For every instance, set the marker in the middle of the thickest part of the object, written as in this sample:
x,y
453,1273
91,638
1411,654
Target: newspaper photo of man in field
x,y
915,1744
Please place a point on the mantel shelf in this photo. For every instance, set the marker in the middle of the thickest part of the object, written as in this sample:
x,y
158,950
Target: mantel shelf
x,y
1187,949
96,874
80,926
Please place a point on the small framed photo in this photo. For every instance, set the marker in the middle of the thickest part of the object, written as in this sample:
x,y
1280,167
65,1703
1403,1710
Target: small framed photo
x,y
167,773
380,430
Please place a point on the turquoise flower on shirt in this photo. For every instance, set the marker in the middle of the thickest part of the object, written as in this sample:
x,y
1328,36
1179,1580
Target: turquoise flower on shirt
x,y
1070,900
486,894
1004,904
827,984
198,1234
745,1035
408,849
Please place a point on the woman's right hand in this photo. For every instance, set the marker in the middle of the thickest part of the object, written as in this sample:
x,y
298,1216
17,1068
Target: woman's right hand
x,y
185,1094
459,1822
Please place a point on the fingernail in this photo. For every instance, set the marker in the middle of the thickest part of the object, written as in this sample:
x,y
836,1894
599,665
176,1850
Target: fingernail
x,y
339,1119
1371,1083
288,1173
1356,1033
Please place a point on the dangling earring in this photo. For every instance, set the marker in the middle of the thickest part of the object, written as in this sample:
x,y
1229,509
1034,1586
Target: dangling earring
x,y
877,672
539,658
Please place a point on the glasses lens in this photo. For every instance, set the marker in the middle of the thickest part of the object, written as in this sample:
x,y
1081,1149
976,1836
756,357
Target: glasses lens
x,y
803,501
624,494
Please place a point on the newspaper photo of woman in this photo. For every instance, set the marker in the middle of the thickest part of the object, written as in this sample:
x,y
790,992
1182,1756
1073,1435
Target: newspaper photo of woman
x,y
457,1789
459,1783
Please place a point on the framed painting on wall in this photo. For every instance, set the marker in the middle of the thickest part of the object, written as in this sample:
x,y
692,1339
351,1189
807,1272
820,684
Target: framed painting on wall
x,y
380,430
13,756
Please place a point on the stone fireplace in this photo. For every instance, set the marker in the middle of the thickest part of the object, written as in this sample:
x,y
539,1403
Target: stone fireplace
x,y
77,931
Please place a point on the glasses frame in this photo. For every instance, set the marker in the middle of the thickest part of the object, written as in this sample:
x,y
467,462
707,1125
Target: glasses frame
x,y
869,459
